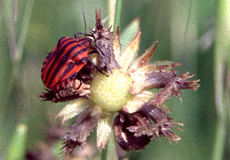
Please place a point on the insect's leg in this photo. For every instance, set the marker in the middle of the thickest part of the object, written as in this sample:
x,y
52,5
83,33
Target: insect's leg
x,y
93,51
80,84
79,33
98,69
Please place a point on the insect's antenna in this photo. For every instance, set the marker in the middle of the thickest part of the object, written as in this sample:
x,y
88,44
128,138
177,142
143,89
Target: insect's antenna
x,y
83,12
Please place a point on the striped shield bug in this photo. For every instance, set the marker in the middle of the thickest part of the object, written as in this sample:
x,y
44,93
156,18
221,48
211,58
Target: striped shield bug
x,y
69,61
63,64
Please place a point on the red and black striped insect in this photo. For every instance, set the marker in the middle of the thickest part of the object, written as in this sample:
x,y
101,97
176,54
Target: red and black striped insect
x,y
63,64
70,55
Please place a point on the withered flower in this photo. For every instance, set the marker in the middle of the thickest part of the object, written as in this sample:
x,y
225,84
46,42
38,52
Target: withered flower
x,y
124,94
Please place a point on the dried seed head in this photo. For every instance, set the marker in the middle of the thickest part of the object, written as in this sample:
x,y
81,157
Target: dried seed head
x,y
123,88
126,139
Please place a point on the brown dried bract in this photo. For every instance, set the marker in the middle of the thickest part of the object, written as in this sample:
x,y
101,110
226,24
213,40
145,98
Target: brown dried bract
x,y
134,131
173,87
80,130
74,89
162,126
103,38
126,139
144,59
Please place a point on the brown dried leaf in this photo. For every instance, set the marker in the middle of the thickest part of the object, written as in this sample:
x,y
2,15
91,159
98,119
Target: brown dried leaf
x,y
148,78
80,131
173,88
163,124
103,39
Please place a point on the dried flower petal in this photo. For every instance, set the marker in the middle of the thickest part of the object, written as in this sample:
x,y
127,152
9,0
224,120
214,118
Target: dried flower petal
x,y
162,126
174,87
73,90
130,52
104,130
170,64
147,77
73,109
138,101
143,59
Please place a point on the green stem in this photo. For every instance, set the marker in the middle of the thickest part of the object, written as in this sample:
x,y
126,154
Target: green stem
x,y
111,149
24,28
110,152
17,146
221,51
118,13
8,20
115,13
112,6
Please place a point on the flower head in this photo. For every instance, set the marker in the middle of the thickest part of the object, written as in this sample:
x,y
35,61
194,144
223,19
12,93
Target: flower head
x,y
118,98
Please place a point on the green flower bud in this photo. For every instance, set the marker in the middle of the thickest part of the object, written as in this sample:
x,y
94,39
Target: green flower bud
x,y
111,93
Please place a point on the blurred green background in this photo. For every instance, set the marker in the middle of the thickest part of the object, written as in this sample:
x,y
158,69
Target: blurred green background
x,y
192,32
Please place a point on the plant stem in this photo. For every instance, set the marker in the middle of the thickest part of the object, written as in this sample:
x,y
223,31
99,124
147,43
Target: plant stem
x,y
221,51
118,13
110,152
111,149
17,145
115,13
24,28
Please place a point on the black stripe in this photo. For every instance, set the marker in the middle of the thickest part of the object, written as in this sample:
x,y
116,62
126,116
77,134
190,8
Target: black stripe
x,y
68,69
60,41
78,52
85,41
81,61
46,61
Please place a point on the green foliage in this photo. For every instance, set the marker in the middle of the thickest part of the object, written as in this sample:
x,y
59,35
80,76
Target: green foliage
x,y
17,148
187,33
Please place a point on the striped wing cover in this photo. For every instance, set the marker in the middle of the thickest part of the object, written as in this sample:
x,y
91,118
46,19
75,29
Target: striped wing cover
x,y
63,64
